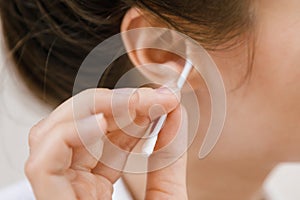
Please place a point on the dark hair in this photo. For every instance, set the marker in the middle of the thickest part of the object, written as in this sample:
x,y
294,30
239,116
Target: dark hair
x,y
49,39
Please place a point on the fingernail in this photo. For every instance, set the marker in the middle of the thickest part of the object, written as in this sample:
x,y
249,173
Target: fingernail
x,y
99,116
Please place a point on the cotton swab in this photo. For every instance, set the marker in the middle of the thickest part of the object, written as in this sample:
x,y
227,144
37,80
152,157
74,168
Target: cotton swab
x,y
149,144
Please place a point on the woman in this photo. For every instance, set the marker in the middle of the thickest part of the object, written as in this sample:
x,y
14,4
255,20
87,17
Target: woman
x,y
255,45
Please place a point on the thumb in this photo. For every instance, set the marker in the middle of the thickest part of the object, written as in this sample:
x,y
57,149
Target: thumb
x,y
169,181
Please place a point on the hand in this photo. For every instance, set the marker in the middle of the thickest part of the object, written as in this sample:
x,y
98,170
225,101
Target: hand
x,y
61,165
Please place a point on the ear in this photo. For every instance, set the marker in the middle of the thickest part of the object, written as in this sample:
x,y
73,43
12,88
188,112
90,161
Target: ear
x,y
136,19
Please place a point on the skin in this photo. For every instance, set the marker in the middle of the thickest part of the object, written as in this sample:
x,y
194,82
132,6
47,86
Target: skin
x,y
261,129
262,125
59,159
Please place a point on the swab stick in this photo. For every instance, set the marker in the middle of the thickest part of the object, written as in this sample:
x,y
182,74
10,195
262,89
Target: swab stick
x,y
149,144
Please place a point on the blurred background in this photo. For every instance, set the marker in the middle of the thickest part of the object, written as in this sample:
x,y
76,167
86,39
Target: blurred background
x,y
19,111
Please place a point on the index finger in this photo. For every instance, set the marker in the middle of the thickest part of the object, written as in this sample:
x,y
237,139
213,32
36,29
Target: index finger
x,y
127,103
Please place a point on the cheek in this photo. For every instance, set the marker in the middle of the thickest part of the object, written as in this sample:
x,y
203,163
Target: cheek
x,y
278,43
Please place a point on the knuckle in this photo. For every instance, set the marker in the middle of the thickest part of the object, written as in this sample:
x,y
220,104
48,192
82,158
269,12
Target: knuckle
x,y
128,144
31,168
34,134
142,121
94,91
59,129
28,168
136,101
87,92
